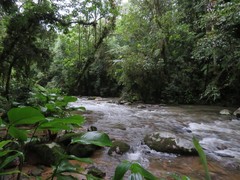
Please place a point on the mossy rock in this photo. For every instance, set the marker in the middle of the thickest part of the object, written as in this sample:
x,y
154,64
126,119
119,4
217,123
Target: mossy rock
x,y
96,172
82,150
66,139
43,154
169,143
118,147
76,149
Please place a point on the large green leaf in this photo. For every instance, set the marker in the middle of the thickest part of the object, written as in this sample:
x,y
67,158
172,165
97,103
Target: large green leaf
x,y
54,126
3,143
9,159
69,99
9,172
121,170
137,169
5,152
66,166
76,119
85,160
18,133
25,115
135,176
137,172
97,138
202,156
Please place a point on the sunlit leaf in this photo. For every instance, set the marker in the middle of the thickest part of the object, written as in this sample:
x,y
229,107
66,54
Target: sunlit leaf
x,y
96,138
76,119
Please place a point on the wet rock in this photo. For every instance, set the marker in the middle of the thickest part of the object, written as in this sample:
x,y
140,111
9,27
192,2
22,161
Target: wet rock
x,y
118,147
119,126
66,139
128,103
92,128
141,107
96,172
82,150
122,102
237,113
91,98
43,154
36,172
169,143
77,149
225,112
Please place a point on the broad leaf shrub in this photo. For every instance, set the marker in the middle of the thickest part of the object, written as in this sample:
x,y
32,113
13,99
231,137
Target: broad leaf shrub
x,y
21,125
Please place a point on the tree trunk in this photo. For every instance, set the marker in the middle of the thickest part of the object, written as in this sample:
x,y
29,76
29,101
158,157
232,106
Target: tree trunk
x,y
9,74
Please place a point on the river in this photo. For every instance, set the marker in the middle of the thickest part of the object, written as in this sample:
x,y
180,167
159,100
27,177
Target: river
x,y
219,135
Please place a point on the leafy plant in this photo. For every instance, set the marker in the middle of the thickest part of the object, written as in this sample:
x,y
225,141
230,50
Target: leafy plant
x,y
64,166
137,171
50,101
8,156
32,117
203,158
97,138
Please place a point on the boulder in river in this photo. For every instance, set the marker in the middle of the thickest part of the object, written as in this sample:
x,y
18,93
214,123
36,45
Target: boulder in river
x,y
225,112
169,143
118,147
82,150
237,113
43,154
76,149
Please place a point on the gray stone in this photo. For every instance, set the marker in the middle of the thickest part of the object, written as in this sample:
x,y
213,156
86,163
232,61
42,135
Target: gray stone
x,y
82,150
43,154
118,147
96,172
36,172
169,143
225,112
237,113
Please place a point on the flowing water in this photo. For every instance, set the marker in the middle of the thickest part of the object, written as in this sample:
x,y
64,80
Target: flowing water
x,y
219,136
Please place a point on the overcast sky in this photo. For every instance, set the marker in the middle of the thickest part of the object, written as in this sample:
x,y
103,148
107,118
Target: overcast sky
x,y
124,1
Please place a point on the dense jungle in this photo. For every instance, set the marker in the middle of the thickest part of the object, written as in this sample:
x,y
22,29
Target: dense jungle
x,y
174,52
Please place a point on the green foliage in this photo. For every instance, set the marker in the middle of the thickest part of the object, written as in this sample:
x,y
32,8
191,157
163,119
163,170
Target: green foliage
x,y
202,158
64,166
50,101
137,171
7,156
24,115
96,138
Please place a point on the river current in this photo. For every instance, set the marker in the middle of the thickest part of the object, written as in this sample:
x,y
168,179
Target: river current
x,y
219,135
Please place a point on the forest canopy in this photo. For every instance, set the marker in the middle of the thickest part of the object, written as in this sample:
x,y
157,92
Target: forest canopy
x,y
175,51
